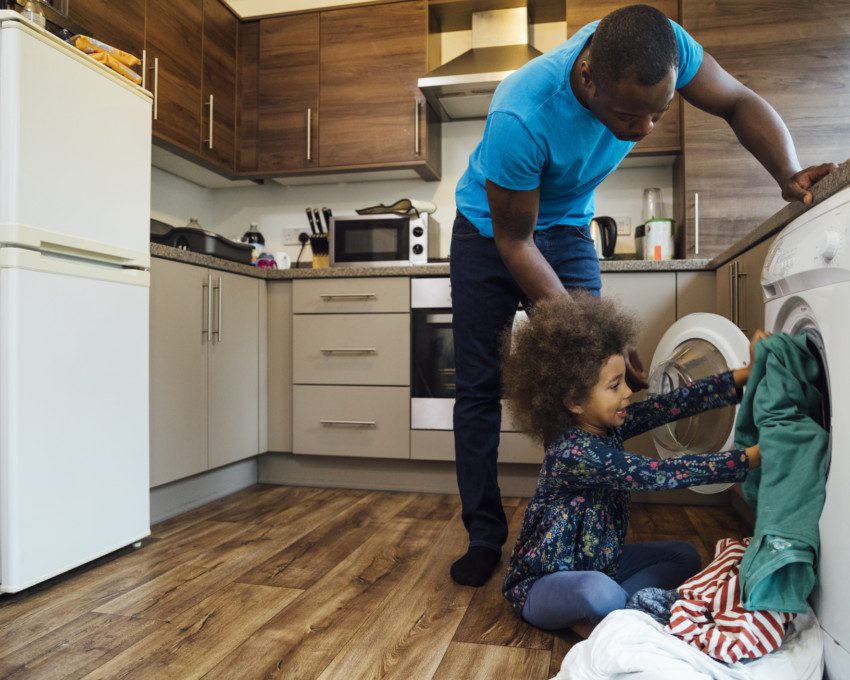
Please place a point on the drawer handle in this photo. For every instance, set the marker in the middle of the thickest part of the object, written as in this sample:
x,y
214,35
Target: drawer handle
x,y
348,350
348,296
349,423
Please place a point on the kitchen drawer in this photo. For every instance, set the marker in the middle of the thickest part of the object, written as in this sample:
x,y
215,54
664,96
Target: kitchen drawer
x,y
514,447
351,349
357,295
364,422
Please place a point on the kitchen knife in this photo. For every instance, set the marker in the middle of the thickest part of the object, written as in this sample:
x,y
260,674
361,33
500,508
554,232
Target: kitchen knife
x,y
318,220
312,223
327,214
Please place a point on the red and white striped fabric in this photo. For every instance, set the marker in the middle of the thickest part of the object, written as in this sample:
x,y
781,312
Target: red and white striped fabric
x,y
710,615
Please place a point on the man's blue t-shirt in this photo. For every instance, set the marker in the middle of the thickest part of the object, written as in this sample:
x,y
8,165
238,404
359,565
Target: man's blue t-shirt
x,y
538,135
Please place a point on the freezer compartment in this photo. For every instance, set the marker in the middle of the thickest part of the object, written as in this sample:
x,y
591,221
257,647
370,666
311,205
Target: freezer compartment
x,y
73,420
84,173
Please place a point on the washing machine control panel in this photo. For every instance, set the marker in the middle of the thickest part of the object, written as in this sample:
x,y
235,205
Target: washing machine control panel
x,y
813,245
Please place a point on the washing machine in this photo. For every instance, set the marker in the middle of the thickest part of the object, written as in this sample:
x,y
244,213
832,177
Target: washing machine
x,y
806,288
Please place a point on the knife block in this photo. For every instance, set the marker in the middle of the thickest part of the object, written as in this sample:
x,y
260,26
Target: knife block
x,y
319,246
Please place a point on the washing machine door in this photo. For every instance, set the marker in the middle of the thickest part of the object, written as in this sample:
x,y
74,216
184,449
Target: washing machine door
x,y
695,347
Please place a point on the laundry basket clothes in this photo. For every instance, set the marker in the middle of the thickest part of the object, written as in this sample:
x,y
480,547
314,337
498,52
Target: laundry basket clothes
x,y
630,644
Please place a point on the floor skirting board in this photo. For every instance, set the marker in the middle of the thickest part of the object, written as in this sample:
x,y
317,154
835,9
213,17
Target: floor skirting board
x,y
388,474
183,495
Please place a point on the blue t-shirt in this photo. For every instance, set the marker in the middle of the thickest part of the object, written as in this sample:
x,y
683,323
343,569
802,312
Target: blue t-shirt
x,y
539,135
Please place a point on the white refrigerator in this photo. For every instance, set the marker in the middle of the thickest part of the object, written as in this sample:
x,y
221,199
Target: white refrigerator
x,y
74,281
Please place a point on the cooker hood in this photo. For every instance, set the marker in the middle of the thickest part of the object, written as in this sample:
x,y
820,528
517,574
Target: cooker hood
x,y
462,88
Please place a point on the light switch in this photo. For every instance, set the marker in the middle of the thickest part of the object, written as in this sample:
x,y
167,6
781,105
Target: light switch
x,y
624,225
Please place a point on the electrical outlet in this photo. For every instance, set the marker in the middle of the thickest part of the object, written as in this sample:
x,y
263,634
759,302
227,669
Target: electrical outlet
x,y
624,225
290,236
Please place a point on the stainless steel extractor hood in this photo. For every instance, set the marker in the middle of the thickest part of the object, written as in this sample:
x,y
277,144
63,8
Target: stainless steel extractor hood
x,y
462,88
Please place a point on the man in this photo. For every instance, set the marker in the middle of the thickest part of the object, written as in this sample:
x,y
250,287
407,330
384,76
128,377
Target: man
x,y
556,129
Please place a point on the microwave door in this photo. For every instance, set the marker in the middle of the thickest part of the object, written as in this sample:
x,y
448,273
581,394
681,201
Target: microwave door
x,y
372,241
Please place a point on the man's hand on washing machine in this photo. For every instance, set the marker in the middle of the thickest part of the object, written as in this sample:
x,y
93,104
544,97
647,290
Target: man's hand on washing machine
x,y
741,375
754,456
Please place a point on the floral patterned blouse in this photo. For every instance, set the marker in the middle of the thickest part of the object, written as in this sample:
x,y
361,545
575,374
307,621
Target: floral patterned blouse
x,y
578,515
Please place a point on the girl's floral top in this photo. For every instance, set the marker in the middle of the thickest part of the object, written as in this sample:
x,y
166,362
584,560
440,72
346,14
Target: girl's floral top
x,y
577,518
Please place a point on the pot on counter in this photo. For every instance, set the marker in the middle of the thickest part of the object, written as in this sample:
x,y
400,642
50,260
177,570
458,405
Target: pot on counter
x,y
603,231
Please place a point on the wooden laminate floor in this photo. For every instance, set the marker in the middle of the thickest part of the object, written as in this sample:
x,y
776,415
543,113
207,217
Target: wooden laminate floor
x,y
295,582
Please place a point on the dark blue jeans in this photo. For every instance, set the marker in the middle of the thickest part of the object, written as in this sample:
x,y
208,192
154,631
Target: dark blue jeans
x,y
485,298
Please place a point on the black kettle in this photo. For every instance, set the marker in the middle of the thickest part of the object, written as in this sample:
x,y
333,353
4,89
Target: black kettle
x,y
603,231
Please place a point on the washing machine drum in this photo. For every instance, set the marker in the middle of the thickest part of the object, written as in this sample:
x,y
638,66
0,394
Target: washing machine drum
x,y
695,347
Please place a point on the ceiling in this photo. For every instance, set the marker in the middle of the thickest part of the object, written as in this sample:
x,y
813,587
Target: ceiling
x,y
255,8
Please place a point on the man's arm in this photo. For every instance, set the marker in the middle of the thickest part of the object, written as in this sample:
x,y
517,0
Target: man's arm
x,y
514,214
757,125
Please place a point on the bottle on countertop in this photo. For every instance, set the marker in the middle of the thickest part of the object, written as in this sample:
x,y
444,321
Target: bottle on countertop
x,y
256,239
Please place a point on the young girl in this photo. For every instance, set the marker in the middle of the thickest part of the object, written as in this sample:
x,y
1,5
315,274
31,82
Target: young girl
x,y
564,373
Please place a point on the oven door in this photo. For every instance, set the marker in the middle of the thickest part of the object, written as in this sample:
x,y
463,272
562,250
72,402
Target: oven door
x,y
369,240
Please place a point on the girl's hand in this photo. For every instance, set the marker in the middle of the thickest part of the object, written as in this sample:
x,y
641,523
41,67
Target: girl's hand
x,y
741,375
754,454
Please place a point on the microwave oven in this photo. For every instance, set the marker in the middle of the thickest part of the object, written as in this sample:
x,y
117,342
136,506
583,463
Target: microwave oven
x,y
382,240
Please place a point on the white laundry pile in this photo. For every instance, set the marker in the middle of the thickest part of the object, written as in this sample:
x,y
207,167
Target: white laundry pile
x,y
710,615
629,645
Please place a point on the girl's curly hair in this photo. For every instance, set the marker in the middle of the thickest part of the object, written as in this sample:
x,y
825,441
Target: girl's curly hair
x,y
555,358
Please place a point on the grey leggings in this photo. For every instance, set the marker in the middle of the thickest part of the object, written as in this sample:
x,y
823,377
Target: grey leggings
x,y
563,598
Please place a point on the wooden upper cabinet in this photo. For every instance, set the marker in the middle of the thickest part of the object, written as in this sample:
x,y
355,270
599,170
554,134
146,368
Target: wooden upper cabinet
x,y
798,61
666,135
120,23
174,57
247,86
372,112
288,99
218,114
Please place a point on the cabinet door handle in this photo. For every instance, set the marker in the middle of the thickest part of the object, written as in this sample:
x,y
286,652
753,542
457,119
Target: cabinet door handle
x,y
347,297
207,292
732,283
209,140
696,223
220,295
738,316
155,69
349,423
416,126
348,350
309,134
144,69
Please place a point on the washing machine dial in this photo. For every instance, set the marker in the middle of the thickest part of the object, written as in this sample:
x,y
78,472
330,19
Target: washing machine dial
x,y
829,245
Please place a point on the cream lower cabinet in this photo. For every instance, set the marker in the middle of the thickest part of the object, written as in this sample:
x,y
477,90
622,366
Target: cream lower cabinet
x,y
739,294
351,367
205,369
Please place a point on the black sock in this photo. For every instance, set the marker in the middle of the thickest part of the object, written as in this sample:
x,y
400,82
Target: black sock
x,y
474,568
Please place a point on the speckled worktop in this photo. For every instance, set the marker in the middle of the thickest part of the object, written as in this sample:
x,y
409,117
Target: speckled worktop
x,y
433,269
828,186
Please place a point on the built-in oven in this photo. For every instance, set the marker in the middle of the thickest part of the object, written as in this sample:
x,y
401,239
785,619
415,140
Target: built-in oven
x,y
432,355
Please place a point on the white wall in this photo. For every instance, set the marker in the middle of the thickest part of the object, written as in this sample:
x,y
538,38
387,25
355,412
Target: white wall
x,y
278,210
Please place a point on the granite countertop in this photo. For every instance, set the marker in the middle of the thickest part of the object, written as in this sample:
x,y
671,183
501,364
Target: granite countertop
x,y
431,269
825,188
